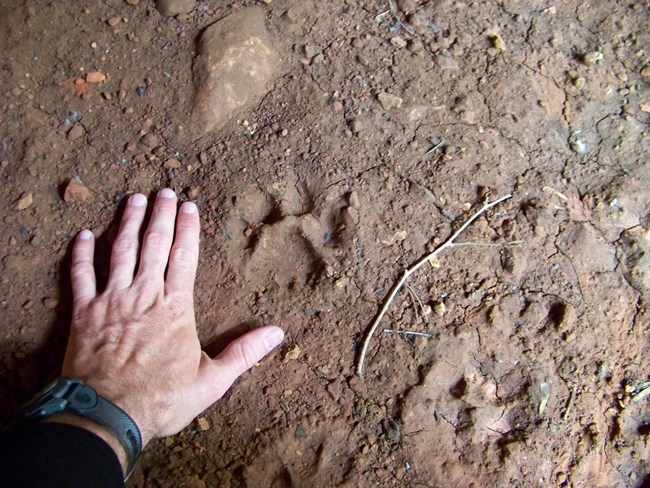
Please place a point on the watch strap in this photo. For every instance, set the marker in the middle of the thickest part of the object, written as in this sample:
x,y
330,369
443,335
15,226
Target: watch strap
x,y
74,396
118,422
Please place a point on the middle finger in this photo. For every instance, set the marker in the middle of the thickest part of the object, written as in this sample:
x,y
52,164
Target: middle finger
x,y
158,238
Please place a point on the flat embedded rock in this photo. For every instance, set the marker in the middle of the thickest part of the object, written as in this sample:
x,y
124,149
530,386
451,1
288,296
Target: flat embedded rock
x,y
169,8
232,70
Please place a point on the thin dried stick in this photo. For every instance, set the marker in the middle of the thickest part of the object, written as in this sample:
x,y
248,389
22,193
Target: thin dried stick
x,y
408,272
408,332
415,298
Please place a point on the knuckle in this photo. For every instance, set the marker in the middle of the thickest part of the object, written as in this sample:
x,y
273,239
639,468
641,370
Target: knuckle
x,y
246,355
157,240
183,258
79,270
125,245
146,295
177,305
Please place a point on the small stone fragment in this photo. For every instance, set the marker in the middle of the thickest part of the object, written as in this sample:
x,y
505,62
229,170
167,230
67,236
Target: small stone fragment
x,y
579,146
353,199
150,141
498,42
113,21
645,107
446,63
95,77
398,41
170,8
592,57
389,101
76,191
75,132
357,126
172,163
311,51
293,353
579,82
28,304
439,308
50,303
234,65
193,192
203,423
645,72
24,201
133,2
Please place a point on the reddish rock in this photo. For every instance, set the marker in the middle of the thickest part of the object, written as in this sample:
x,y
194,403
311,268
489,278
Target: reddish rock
x,y
235,63
95,77
75,132
170,8
24,201
76,191
192,192
50,303
150,140
172,163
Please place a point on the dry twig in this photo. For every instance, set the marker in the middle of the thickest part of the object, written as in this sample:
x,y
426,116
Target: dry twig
x,y
408,332
449,243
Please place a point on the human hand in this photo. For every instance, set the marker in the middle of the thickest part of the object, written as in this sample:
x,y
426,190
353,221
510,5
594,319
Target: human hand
x,y
136,342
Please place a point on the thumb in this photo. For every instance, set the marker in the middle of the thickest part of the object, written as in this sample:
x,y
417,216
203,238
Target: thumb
x,y
238,357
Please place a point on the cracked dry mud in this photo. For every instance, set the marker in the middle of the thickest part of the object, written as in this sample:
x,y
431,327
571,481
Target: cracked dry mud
x,y
316,198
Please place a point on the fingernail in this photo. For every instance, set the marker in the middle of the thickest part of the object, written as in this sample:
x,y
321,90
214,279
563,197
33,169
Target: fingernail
x,y
167,193
85,235
188,208
273,338
138,200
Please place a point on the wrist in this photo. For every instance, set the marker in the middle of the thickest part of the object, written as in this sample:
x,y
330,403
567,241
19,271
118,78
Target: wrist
x,y
100,431
86,408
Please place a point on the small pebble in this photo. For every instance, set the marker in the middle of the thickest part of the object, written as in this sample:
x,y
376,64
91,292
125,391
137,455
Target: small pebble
x,y
398,41
592,57
75,132
579,146
389,101
24,201
446,63
353,199
356,126
141,90
150,140
498,42
95,77
50,303
113,21
76,191
172,163
439,308
193,192
203,423
293,353
579,83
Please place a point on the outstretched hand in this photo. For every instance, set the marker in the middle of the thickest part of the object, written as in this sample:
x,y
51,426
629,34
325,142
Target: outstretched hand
x,y
136,341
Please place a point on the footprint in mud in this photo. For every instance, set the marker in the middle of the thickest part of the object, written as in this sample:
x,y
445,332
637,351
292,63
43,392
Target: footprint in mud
x,y
279,236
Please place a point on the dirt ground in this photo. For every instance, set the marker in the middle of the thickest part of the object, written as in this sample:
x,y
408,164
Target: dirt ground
x,y
313,202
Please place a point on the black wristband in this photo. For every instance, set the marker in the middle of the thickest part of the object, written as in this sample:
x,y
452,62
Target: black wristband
x,y
74,396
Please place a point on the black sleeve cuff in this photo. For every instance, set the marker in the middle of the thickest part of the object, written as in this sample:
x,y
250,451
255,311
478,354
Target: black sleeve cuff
x,y
35,455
